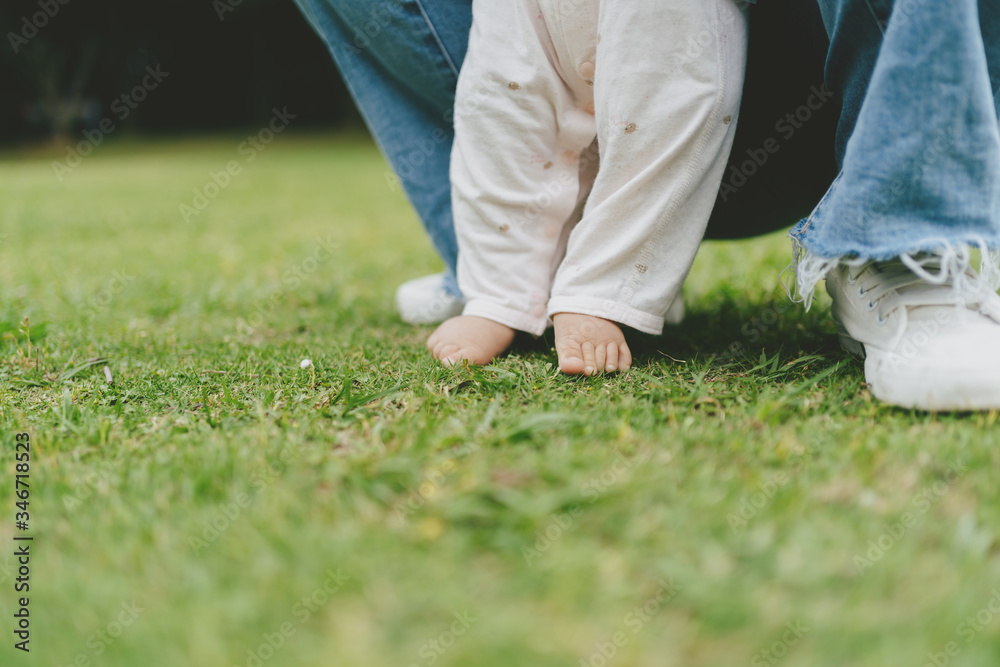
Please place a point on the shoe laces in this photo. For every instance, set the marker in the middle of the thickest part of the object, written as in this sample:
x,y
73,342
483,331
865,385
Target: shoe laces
x,y
922,280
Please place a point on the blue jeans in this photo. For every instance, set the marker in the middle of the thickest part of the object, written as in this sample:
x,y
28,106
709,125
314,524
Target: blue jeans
x,y
400,60
919,143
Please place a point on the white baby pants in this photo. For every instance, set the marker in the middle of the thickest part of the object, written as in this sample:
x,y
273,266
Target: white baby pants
x,y
651,86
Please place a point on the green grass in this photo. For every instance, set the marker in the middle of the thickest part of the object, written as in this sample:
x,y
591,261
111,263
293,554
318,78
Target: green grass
x,y
740,470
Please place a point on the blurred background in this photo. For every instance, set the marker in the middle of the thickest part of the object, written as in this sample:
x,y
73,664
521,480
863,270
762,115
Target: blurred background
x,y
65,63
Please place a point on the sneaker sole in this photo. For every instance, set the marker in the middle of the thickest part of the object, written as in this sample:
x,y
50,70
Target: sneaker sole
x,y
903,394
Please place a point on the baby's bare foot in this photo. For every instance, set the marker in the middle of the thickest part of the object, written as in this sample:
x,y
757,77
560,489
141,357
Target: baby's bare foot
x,y
589,345
474,339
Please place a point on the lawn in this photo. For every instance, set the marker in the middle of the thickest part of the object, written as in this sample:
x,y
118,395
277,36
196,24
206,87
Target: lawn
x,y
738,498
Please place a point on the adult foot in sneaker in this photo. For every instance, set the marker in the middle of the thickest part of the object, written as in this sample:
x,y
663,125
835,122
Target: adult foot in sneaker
x,y
426,301
928,342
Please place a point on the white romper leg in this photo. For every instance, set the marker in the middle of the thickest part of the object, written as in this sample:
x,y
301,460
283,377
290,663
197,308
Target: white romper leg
x,y
669,81
515,170
666,76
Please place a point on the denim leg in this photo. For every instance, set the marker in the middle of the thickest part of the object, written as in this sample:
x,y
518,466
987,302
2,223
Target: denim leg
x,y
856,28
920,162
400,60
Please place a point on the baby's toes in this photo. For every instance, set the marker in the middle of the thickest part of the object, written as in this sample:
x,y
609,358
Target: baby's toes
x,y
570,357
624,357
451,353
611,363
443,351
600,357
589,358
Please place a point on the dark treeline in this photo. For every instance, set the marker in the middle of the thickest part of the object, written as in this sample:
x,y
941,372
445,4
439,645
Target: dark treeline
x,y
177,66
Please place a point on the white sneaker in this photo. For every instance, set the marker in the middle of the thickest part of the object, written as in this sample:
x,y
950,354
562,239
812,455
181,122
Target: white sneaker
x,y
927,345
425,301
